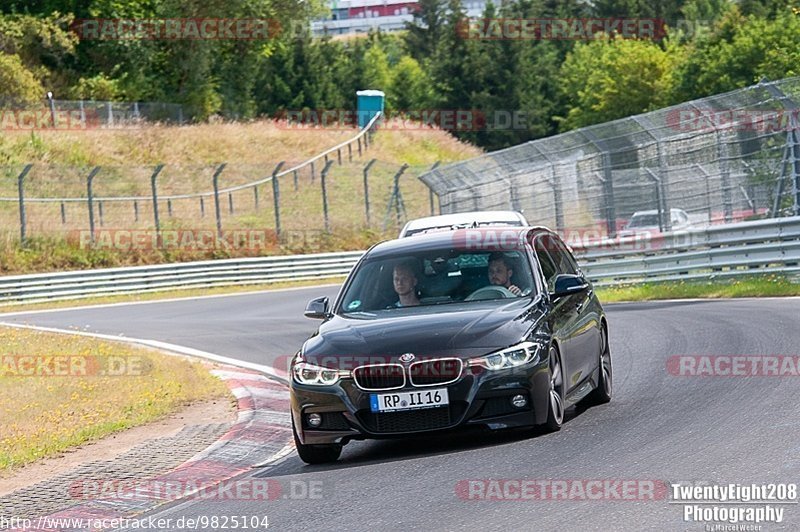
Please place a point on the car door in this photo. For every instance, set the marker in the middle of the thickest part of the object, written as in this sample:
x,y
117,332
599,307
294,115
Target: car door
x,y
585,341
579,321
564,314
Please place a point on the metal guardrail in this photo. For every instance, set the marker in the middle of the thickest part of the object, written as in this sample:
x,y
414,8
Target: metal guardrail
x,y
766,246
204,274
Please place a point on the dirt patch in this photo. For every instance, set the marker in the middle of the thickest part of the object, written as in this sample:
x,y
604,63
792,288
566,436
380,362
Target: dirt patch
x,y
216,411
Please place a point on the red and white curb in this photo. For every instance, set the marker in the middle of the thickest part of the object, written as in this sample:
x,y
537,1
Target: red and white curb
x,y
262,434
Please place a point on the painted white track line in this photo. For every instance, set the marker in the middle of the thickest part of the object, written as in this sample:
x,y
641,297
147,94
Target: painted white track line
x,y
164,346
155,301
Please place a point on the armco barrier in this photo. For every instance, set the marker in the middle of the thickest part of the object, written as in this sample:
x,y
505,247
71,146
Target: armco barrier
x,y
205,274
766,246
763,246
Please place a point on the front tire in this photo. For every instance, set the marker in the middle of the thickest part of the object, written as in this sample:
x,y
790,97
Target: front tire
x,y
555,409
316,454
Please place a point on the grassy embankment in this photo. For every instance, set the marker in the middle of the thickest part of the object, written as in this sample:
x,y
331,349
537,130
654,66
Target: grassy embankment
x,y
62,160
90,389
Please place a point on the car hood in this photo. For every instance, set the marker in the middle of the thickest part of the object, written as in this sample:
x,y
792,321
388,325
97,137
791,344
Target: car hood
x,y
461,330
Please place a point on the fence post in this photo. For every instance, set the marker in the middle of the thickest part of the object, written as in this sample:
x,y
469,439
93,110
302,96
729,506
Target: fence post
x,y
169,207
230,202
202,207
154,191
323,175
63,214
359,146
608,194
430,190
135,211
276,199
397,199
312,171
100,212
52,108
350,152
664,224
366,188
339,156
255,197
295,180
20,187
215,181
90,200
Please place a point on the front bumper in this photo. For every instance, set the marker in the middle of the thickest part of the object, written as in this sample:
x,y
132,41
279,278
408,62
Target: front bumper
x,y
479,398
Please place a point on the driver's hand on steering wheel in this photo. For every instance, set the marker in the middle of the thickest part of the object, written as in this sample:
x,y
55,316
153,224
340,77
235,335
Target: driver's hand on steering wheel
x,y
514,289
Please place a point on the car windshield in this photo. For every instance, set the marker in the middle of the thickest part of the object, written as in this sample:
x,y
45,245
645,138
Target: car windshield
x,y
437,277
644,220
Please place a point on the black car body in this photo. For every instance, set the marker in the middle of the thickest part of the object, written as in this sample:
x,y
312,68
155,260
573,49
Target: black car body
x,y
499,360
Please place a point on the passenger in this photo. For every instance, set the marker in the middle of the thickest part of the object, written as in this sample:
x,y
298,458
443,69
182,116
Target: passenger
x,y
405,284
500,273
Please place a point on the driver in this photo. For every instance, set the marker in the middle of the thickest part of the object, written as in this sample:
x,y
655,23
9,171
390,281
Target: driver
x,y
405,284
500,272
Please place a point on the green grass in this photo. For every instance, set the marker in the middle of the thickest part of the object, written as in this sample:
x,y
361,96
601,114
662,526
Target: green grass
x,y
44,415
756,286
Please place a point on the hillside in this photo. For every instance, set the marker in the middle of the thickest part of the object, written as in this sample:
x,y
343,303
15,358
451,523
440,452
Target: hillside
x,y
126,157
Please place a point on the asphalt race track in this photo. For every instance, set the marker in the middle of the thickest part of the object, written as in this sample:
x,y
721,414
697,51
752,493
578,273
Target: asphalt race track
x,y
660,427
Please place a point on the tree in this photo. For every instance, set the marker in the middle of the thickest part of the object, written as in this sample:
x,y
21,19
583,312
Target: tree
x,y
739,52
613,78
376,69
424,33
43,47
410,88
18,84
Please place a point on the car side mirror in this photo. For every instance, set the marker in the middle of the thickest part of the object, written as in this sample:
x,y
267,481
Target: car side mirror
x,y
317,309
568,284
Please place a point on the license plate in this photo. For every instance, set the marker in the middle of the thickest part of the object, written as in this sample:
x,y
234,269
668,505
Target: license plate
x,y
390,402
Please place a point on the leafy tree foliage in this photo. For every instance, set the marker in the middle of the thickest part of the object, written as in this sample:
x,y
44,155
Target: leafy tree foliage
x,y
524,89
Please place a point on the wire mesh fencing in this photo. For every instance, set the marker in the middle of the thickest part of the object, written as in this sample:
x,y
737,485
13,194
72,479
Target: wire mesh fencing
x,y
721,159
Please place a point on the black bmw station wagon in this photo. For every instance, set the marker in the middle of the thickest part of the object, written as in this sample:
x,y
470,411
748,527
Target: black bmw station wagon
x,y
495,327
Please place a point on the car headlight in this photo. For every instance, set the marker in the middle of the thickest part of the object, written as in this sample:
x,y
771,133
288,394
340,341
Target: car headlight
x,y
305,373
511,357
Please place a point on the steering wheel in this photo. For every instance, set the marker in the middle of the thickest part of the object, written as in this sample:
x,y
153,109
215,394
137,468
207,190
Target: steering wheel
x,y
490,292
